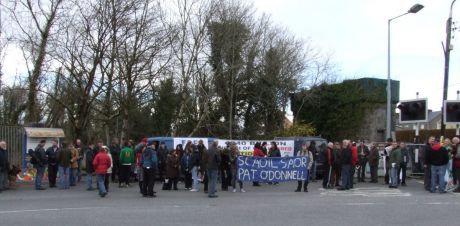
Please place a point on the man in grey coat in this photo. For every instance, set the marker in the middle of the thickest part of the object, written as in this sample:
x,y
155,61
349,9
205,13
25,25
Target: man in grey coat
x,y
213,168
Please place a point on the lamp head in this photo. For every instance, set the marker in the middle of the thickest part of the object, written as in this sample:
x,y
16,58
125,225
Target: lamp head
x,y
415,8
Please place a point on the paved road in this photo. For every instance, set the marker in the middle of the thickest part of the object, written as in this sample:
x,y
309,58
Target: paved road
x,y
367,204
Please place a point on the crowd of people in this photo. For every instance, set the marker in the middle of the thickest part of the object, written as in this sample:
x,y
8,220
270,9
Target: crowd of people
x,y
149,161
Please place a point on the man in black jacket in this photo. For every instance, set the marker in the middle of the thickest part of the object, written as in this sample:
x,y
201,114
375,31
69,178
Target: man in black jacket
x,y
40,165
213,163
427,167
346,165
363,153
90,153
4,166
437,157
51,154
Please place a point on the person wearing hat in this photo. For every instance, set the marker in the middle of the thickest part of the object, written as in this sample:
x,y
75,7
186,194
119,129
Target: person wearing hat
x,y
150,165
101,164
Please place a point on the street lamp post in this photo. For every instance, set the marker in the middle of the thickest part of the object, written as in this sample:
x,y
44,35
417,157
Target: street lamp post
x,y
414,9
447,49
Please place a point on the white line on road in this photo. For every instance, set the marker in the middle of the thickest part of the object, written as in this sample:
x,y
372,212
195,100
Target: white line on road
x,y
359,204
47,210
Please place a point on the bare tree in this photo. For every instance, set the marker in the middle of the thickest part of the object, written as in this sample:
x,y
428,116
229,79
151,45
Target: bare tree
x,y
35,20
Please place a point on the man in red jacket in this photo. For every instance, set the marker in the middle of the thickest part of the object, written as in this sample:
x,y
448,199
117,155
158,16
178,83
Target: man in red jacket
x,y
101,164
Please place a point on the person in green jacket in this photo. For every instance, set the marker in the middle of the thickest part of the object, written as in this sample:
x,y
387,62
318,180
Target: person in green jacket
x,y
127,158
395,160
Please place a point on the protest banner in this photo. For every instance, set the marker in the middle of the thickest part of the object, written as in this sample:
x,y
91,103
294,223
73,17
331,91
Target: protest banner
x,y
246,147
184,140
272,169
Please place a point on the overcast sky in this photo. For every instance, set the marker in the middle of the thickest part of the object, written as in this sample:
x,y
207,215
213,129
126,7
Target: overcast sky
x,y
355,32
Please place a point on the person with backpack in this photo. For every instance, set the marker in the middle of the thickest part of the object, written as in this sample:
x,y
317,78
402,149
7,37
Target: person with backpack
x,y
39,162
127,158
150,166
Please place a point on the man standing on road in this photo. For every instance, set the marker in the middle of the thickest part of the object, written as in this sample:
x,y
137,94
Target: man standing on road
x,y
374,162
328,159
4,166
363,153
40,166
438,158
64,156
346,165
395,161
51,154
404,161
150,166
213,168
127,158
337,164
115,152
427,166
89,157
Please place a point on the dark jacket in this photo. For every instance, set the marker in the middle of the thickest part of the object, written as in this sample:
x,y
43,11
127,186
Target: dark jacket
x,y
64,156
172,165
404,156
225,160
196,157
187,162
314,151
115,152
4,166
89,153
437,155
374,157
41,156
213,159
51,154
274,152
203,158
162,155
346,156
327,157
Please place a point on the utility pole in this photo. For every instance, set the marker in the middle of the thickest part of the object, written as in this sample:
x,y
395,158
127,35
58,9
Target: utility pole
x,y
447,49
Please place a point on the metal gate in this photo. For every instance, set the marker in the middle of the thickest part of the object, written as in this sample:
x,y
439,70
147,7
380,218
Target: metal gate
x,y
15,140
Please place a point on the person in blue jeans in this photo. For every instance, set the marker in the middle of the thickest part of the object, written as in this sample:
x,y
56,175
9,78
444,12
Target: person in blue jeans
x,y
213,160
40,164
90,152
101,164
438,157
63,159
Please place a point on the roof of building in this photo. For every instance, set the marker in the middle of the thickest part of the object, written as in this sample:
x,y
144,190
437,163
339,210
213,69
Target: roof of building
x,y
433,114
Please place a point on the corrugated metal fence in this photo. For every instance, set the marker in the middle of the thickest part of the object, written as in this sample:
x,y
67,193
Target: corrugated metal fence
x,y
14,137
